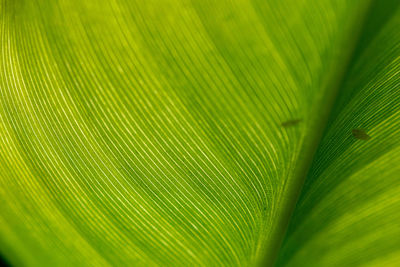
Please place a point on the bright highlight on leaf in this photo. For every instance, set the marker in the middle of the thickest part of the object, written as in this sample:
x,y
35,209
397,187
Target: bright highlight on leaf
x,y
181,132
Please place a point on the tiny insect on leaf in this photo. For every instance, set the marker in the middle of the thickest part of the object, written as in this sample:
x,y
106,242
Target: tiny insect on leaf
x,y
360,134
290,123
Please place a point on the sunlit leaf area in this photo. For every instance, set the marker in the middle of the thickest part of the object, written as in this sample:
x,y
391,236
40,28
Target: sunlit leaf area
x,y
200,133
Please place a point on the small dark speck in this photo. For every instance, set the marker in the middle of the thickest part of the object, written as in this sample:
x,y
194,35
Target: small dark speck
x,y
360,134
290,123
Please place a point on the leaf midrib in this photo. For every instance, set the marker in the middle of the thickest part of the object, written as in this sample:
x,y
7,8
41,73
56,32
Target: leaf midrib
x,y
292,188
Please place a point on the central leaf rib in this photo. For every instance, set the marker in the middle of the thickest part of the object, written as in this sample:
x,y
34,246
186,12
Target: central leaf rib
x,y
292,188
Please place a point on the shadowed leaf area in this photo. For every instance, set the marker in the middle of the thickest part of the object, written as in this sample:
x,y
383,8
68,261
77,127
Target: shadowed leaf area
x,y
204,133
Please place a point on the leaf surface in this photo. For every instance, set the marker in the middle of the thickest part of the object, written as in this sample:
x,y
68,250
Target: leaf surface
x,y
175,133
348,213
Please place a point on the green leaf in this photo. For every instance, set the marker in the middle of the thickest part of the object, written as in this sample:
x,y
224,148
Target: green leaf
x,y
349,210
178,132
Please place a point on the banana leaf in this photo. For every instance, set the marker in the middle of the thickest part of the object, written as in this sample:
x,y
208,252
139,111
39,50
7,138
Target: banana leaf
x,y
200,133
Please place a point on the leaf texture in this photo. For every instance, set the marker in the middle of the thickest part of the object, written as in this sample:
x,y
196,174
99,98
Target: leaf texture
x,y
348,213
177,132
